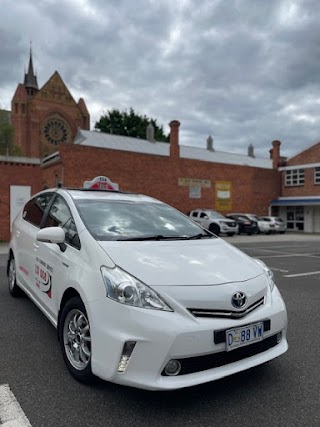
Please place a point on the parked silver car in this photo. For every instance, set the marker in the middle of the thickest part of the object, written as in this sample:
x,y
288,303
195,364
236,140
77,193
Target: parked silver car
x,y
279,225
214,221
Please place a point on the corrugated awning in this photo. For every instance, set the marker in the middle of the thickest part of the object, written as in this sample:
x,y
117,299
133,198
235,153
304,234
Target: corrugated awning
x,y
296,201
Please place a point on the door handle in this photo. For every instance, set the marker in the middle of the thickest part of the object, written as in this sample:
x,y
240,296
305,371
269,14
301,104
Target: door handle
x,y
35,245
18,233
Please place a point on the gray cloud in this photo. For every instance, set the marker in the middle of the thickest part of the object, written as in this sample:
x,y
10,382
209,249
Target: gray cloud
x,y
245,71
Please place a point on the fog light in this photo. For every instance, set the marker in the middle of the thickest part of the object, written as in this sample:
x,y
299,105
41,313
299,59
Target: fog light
x,y
173,367
279,337
125,356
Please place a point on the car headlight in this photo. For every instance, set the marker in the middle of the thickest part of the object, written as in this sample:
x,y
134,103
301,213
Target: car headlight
x,y
126,289
268,272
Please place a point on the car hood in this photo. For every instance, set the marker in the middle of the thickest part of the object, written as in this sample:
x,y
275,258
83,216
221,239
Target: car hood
x,y
182,263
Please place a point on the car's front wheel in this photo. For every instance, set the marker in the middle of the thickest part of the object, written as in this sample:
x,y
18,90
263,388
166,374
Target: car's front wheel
x,y
214,228
75,340
14,289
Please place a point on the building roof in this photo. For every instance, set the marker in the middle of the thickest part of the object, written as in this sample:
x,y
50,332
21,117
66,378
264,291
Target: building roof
x,y
30,79
20,93
83,107
136,145
18,159
224,157
122,143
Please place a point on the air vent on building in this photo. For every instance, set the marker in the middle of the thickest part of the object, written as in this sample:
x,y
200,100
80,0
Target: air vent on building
x,y
210,143
251,151
150,133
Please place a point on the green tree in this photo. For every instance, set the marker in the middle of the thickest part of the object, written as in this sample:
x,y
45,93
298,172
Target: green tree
x,y
129,124
7,147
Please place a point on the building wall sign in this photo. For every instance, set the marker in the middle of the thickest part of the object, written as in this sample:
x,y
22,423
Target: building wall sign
x,y
190,182
223,200
194,192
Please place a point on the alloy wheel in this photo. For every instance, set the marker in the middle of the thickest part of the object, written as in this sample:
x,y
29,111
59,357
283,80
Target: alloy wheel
x,y
77,339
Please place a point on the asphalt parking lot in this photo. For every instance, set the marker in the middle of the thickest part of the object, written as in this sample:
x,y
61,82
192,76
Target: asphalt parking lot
x,y
284,392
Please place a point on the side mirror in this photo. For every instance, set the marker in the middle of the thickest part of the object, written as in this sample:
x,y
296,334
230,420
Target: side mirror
x,y
51,235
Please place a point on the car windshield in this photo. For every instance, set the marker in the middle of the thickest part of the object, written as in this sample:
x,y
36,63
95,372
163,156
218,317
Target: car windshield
x,y
127,220
214,214
279,219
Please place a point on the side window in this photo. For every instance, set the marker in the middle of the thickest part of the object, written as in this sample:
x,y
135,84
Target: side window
x,y
59,215
35,208
203,215
195,214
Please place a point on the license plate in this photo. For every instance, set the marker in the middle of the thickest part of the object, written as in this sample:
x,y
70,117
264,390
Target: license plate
x,y
245,335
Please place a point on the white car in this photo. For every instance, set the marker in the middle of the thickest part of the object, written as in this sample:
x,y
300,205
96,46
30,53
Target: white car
x,y
214,221
139,293
265,227
277,222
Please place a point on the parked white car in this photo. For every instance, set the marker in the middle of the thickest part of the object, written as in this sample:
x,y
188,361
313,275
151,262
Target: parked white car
x,y
278,223
265,227
214,221
140,294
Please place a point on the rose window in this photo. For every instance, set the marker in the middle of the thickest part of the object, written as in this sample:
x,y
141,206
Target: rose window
x,y
56,131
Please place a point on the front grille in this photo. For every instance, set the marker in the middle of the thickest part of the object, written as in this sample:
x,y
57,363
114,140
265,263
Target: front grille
x,y
202,312
202,363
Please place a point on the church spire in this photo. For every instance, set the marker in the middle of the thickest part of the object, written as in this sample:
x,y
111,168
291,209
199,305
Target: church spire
x,y
30,79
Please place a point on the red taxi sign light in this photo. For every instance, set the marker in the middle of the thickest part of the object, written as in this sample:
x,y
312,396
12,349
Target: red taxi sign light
x,y
101,183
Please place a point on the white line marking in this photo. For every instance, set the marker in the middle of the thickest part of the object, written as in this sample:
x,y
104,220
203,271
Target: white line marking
x,y
289,255
11,414
279,269
274,248
302,274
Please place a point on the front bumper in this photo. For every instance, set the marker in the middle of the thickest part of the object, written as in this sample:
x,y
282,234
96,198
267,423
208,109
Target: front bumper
x,y
224,228
162,336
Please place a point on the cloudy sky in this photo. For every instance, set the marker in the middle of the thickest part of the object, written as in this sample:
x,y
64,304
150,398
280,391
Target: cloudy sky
x,y
244,71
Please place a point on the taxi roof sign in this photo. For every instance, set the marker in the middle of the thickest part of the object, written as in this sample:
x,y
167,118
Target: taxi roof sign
x,y
101,183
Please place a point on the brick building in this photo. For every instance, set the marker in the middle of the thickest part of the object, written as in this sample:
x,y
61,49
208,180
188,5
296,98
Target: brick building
x,y
299,198
53,133
185,177
44,118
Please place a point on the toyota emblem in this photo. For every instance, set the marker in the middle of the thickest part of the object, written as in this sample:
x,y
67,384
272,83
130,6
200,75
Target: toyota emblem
x,y
239,300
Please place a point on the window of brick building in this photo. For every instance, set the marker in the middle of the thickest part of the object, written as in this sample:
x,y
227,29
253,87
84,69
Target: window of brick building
x,y
294,177
16,108
23,108
317,175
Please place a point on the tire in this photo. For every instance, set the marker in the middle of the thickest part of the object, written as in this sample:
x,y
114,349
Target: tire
x,y
214,228
282,232
75,341
14,289
230,234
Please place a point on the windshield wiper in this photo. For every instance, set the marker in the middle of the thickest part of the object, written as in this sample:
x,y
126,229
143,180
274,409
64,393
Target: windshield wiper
x,y
160,237
200,236
157,237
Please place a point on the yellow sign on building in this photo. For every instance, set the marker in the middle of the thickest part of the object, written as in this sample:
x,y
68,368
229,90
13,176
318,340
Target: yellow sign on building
x,y
223,198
